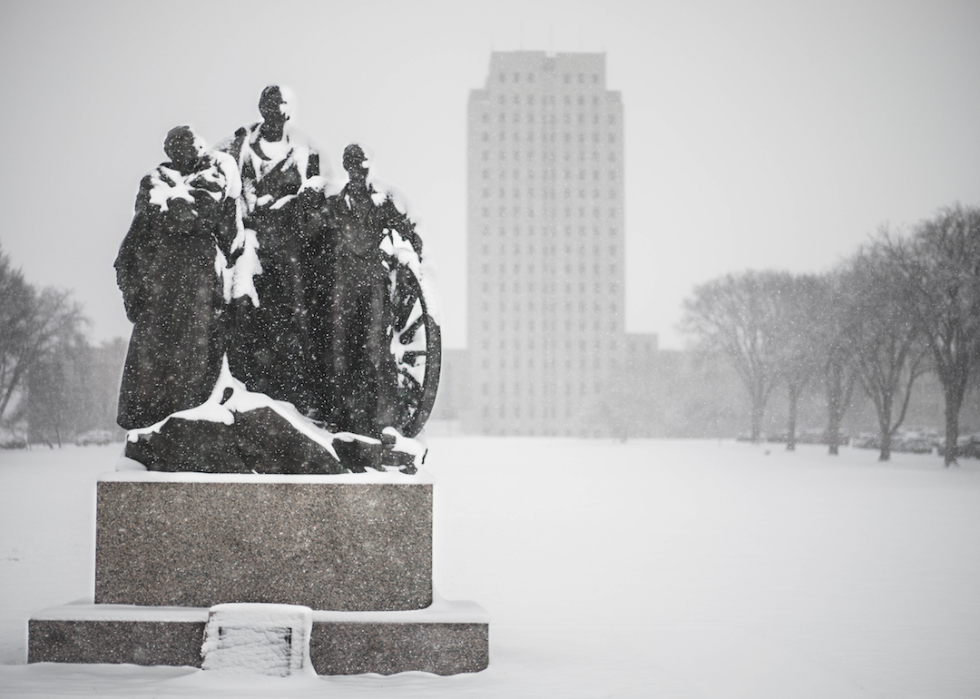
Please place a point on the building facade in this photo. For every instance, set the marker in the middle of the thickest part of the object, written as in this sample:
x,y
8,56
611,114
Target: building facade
x,y
546,295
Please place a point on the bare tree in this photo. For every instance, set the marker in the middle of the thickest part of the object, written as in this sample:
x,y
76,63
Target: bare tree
x,y
839,370
803,307
740,316
60,400
941,265
885,341
31,323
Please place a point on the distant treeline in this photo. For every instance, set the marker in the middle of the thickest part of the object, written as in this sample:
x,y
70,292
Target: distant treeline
x,y
54,385
905,305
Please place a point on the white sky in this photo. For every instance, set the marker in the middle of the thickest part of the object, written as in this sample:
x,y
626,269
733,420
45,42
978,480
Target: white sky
x,y
757,134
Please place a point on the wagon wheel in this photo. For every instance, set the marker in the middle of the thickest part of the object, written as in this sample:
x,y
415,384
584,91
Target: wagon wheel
x,y
417,347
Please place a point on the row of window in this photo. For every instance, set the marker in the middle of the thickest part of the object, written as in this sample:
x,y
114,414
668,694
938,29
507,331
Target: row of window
x,y
521,326
569,78
549,174
518,117
530,288
596,212
551,100
547,231
545,193
548,389
528,269
549,136
549,156
569,288
516,364
501,344
551,250
552,307
525,366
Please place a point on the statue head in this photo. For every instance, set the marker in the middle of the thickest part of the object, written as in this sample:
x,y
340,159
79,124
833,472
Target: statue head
x,y
356,163
276,105
183,147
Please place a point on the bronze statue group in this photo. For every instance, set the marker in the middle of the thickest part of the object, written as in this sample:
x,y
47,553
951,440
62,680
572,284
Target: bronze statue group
x,y
241,252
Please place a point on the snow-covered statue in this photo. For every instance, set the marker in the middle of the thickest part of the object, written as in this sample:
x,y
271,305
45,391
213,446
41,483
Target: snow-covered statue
x,y
278,330
355,370
169,270
281,180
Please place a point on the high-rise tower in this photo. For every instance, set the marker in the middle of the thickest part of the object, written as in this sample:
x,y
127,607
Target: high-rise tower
x,y
545,244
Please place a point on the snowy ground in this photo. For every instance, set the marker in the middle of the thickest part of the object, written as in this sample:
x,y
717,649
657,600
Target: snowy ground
x,y
646,569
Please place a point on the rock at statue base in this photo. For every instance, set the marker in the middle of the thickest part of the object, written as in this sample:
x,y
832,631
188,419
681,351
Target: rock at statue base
x,y
259,441
258,639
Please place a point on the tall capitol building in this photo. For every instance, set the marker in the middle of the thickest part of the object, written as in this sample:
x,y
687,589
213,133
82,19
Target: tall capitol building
x,y
546,296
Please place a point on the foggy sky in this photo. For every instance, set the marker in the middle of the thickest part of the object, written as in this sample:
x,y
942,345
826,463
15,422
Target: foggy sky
x,y
757,134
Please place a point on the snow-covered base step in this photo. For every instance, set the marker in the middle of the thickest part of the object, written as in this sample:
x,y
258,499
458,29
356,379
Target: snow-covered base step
x,y
258,639
352,542
447,638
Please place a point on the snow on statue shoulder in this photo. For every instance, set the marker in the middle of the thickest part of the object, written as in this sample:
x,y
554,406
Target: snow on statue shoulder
x,y
276,329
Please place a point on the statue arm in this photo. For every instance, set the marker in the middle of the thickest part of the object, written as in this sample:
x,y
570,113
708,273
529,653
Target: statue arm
x,y
134,245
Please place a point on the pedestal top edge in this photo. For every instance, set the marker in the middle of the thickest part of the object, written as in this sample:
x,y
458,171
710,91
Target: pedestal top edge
x,y
392,477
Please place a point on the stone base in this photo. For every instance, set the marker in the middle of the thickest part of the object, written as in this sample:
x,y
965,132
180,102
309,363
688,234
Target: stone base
x,y
446,638
355,542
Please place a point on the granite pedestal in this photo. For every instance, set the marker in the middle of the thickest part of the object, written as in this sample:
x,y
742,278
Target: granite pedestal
x,y
189,540
355,548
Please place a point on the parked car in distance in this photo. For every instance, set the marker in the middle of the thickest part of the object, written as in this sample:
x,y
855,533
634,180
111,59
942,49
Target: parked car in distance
x,y
866,440
809,436
912,445
99,437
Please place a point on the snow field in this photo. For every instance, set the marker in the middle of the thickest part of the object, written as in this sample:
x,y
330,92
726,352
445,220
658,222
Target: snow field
x,y
645,569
